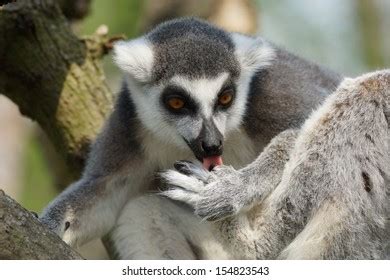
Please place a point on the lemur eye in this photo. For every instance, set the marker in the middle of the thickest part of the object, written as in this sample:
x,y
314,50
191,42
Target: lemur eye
x,y
175,103
226,97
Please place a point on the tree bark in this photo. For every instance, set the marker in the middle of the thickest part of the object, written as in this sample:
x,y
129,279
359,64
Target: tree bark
x,y
22,236
75,9
54,77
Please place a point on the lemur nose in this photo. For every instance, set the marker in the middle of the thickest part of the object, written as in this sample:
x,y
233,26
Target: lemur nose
x,y
211,149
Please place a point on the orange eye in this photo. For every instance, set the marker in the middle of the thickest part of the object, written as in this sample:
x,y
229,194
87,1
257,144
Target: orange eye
x,y
225,98
176,103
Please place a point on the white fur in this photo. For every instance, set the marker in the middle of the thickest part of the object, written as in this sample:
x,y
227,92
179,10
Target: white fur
x,y
253,53
238,109
145,231
135,57
204,90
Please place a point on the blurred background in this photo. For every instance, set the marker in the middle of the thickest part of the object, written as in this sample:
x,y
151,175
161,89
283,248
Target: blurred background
x,y
350,36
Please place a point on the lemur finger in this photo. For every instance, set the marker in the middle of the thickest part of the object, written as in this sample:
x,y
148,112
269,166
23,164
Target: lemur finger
x,y
183,166
182,195
175,178
191,168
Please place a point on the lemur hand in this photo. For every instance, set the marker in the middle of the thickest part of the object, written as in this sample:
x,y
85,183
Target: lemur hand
x,y
58,217
214,195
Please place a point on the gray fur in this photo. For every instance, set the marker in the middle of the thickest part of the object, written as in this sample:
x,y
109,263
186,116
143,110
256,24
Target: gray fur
x,y
132,148
205,50
332,199
282,97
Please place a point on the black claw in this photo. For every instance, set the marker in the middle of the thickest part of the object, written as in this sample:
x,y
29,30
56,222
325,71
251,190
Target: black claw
x,y
182,166
211,167
35,214
67,225
212,219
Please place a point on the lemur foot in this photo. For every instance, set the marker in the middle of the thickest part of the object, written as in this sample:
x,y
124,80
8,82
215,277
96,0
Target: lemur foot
x,y
213,195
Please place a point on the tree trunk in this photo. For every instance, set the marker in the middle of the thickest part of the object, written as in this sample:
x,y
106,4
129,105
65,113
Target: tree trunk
x,y
54,77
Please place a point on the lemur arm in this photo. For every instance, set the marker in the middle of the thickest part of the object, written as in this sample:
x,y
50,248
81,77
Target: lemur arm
x,y
88,208
226,191
85,210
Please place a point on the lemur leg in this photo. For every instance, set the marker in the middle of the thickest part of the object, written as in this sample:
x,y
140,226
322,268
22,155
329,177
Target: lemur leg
x,y
154,227
335,232
332,202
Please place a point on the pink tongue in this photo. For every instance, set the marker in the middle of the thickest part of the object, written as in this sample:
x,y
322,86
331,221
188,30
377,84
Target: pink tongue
x,y
211,162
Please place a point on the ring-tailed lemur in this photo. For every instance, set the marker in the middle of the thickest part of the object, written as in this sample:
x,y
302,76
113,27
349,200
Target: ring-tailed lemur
x,y
318,193
191,91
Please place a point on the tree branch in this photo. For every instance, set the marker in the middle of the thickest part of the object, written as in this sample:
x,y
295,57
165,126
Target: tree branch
x,y
22,236
75,9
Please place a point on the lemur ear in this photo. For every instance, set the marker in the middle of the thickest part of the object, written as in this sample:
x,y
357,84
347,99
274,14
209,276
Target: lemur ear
x,y
135,57
252,53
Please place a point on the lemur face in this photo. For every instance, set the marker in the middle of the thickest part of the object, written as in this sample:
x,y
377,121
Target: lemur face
x,y
189,82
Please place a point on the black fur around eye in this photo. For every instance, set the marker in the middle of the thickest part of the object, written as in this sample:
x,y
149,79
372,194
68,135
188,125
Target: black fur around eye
x,y
226,97
177,101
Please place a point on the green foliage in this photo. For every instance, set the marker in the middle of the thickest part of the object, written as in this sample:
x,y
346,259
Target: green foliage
x,y
121,16
37,180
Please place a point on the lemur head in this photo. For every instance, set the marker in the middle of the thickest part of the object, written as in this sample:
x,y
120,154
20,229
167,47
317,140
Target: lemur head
x,y
189,82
